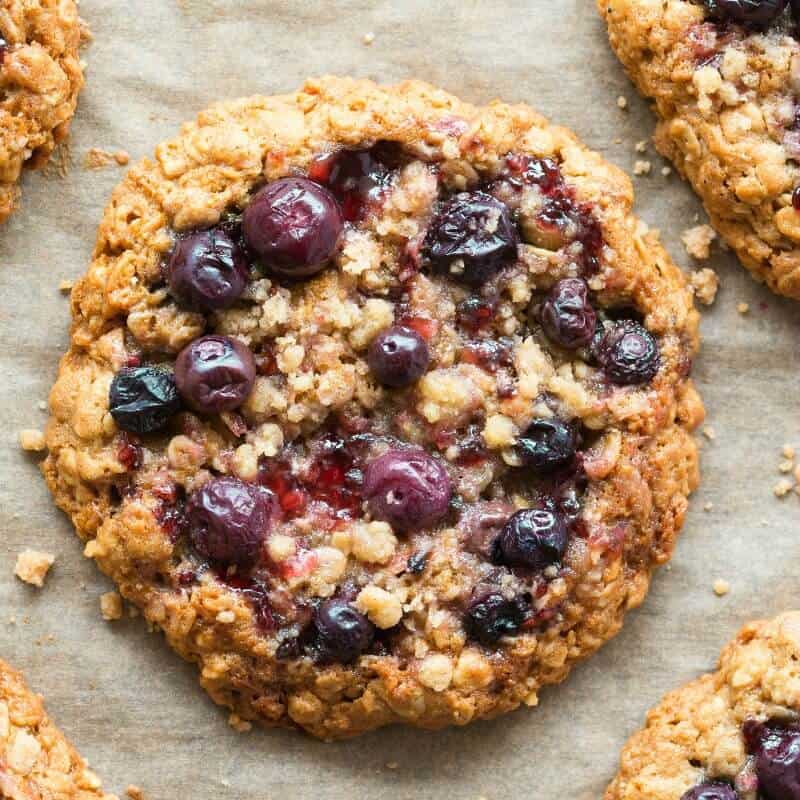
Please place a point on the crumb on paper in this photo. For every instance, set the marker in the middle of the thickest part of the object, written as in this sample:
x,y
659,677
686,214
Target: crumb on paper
x,y
743,308
32,440
641,146
787,451
392,765
32,566
721,587
111,606
709,506
785,466
368,38
239,724
705,284
134,792
642,167
618,140
697,241
122,157
782,488
65,286
97,158
622,102
666,171
42,405
709,433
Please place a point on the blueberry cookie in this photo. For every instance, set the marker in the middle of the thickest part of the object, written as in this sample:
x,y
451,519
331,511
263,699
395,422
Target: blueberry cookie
x,y
730,735
40,77
36,761
724,77
377,403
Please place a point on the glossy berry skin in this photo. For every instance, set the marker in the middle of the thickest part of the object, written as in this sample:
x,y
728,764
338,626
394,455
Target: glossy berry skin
x,y
568,318
490,616
207,271
407,488
628,354
533,537
547,445
341,633
142,399
398,356
215,374
294,225
472,238
777,751
756,14
358,180
229,519
711,790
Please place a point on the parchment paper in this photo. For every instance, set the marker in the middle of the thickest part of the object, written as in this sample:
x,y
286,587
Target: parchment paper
x,y
134,708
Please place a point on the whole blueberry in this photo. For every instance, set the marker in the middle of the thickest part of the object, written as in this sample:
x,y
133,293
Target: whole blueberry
x,y
628,354
207,271
142,399
341,633
711,790
547,444
490,616
229,519
533,538
567,316
407,488
472,238
757,14
398,356
295,226
215,373
776,748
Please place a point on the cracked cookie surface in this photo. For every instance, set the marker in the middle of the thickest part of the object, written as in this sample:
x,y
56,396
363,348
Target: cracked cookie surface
x,y
723,77
730,735
40,78
36,761
377,403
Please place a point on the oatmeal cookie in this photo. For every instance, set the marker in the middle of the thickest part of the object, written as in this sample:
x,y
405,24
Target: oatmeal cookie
x,y
377,403
729,735
36,761
724,77
40,77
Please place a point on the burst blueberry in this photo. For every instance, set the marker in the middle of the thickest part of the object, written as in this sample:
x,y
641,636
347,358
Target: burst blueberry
x,y
533,537
711,790
776,748
142,399
756,14
548,444
490,616
567,316
628,354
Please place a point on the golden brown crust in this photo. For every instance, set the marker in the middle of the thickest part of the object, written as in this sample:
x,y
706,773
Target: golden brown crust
x,y
726,103
36,761
40,77
643,473
695,733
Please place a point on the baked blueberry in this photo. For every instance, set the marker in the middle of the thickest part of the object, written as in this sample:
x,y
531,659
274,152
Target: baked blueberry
x,y
341,633
398,356
207,271
358,180
294,225
758,14
229,519
407,488
547,444
776,748
490,616
472,238
142,399
214,374
567,316
628,354
711,790
533,538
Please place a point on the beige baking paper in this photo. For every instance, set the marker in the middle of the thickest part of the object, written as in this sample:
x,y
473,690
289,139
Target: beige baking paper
x,y
131,706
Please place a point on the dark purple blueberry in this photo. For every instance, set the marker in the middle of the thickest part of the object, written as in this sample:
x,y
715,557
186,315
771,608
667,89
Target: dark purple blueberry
x,y
796,192
547,444
711,790
142,399
795,6
295,225
215,374
341,634
533,538
207,271
777,751
407,488
358,180
398,356
628,354
567,316
758,14
471,238
229,520
490,616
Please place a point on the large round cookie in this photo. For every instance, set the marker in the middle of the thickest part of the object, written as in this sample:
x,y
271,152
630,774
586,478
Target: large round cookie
x,y
729,735
40,77
724,78
450,437
36,761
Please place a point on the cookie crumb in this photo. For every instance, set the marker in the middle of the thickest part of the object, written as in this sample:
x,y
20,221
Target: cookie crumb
x,y
97,158
709,433
785,466
641,146
705,284
226,617
743,308
32,566
31,440
369,38
392,765
239,724
642,167
708,506
622,102
787,451
782,488
66,286
697,241
721,587
134,792
111,606
666,171
122,157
